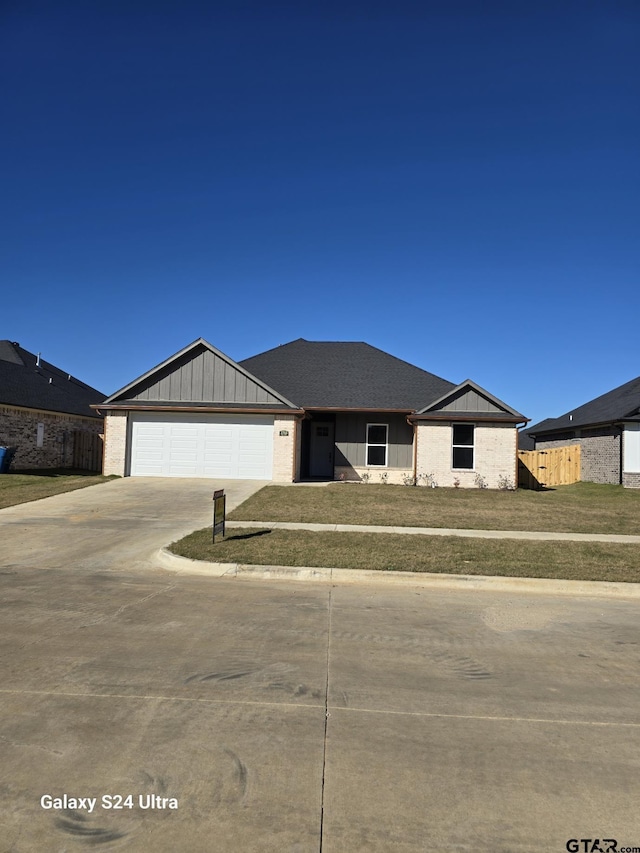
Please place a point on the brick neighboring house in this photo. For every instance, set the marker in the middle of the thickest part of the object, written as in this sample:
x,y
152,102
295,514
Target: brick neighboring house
x,y
42,410
608,432
308,410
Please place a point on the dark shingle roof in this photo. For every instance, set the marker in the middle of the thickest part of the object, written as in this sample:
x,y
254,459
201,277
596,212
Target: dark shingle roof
x,y
23,383
525,442
623,403
349,375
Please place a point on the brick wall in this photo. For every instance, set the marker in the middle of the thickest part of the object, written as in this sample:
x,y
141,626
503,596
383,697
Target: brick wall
x,y
631,481
19,428
494,458
285,464
115,443
394,476
600,453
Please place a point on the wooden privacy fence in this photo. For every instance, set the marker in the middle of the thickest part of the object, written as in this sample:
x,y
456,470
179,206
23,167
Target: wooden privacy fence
x,y
87,451
557,466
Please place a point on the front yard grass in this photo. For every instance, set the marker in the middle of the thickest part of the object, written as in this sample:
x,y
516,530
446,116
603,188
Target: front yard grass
x,y
595,561
21,488
579,508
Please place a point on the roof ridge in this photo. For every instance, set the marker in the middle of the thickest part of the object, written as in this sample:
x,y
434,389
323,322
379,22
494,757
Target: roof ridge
x,y
410,364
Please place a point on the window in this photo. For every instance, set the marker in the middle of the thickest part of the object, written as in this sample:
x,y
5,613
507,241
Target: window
x,y
463,447
377,435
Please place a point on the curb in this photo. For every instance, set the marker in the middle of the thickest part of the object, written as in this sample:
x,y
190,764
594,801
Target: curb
x,y
602,589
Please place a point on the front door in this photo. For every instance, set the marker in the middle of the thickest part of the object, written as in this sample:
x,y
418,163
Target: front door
x,y
321,449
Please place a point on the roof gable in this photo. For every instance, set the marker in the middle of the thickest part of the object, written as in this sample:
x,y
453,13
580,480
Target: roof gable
x,y
28,381
345,375
199,373
468,398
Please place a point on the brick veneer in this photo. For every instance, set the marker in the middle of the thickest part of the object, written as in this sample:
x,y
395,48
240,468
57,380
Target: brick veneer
x,y
495,455
19,428
394,476
115,443
286,461
599,455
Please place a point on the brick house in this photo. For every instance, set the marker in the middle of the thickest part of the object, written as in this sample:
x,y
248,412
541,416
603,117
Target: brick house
x,y
608,432
44,412
308,410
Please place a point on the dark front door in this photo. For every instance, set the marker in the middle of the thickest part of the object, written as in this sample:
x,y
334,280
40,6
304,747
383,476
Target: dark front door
x,y
321,449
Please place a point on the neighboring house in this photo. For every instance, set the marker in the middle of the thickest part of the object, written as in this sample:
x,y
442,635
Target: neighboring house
x,y
43,410
308,409
608,432
525,442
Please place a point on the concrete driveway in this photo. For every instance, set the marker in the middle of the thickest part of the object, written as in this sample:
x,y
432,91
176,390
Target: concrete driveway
x,y
114,524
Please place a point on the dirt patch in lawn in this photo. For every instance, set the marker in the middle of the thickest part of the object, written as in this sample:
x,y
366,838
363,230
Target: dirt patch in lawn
x,y
396,552
580,508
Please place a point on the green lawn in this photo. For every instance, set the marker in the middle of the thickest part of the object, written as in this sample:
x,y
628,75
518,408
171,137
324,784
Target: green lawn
x,y
594,561
580,508
21,488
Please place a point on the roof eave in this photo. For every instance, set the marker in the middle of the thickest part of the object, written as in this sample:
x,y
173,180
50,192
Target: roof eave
x,y
151,407
354,409
466,416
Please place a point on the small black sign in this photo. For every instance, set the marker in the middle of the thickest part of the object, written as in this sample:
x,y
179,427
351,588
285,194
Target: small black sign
x,y
219,506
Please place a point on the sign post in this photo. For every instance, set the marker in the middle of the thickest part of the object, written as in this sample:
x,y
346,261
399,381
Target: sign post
x,y
219,506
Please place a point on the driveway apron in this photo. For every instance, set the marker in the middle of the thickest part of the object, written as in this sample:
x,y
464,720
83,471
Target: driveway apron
x,y
112,525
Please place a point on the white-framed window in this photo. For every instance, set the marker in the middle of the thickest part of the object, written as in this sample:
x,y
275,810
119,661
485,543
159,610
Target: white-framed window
x,y
463,446
377,448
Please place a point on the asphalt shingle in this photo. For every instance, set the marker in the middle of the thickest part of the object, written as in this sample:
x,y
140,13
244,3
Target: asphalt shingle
x,y
622,403
346,375
25,383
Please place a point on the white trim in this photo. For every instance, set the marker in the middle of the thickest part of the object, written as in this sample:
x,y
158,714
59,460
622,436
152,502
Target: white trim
x,y
631,448
368,445
472,446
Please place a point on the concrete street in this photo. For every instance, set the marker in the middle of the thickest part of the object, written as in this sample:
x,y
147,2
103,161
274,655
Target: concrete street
x,y
288,716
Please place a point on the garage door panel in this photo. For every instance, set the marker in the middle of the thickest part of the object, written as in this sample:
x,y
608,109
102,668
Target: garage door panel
x,y
202,446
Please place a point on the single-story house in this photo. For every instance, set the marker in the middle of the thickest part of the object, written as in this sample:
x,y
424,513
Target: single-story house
x,y
308,409
45,413
608,432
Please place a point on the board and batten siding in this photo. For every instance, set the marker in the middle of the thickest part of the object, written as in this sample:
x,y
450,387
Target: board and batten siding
x,y
469,401
202,377
351,439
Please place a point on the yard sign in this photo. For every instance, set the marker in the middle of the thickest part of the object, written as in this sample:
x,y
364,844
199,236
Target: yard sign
x,y
219,505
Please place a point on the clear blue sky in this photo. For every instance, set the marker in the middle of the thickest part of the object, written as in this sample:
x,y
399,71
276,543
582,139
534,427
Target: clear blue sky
x,y
456,183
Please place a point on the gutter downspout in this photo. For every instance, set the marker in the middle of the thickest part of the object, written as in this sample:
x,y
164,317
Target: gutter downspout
x,y
415,450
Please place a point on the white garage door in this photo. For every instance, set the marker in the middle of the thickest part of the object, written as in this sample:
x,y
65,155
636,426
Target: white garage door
x,y
191,445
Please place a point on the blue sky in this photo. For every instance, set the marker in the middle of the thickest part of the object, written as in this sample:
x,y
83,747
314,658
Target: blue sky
x,y
456,183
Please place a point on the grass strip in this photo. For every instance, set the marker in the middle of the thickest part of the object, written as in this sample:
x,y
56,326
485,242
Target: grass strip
x,y
22,488
595,561
579,508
